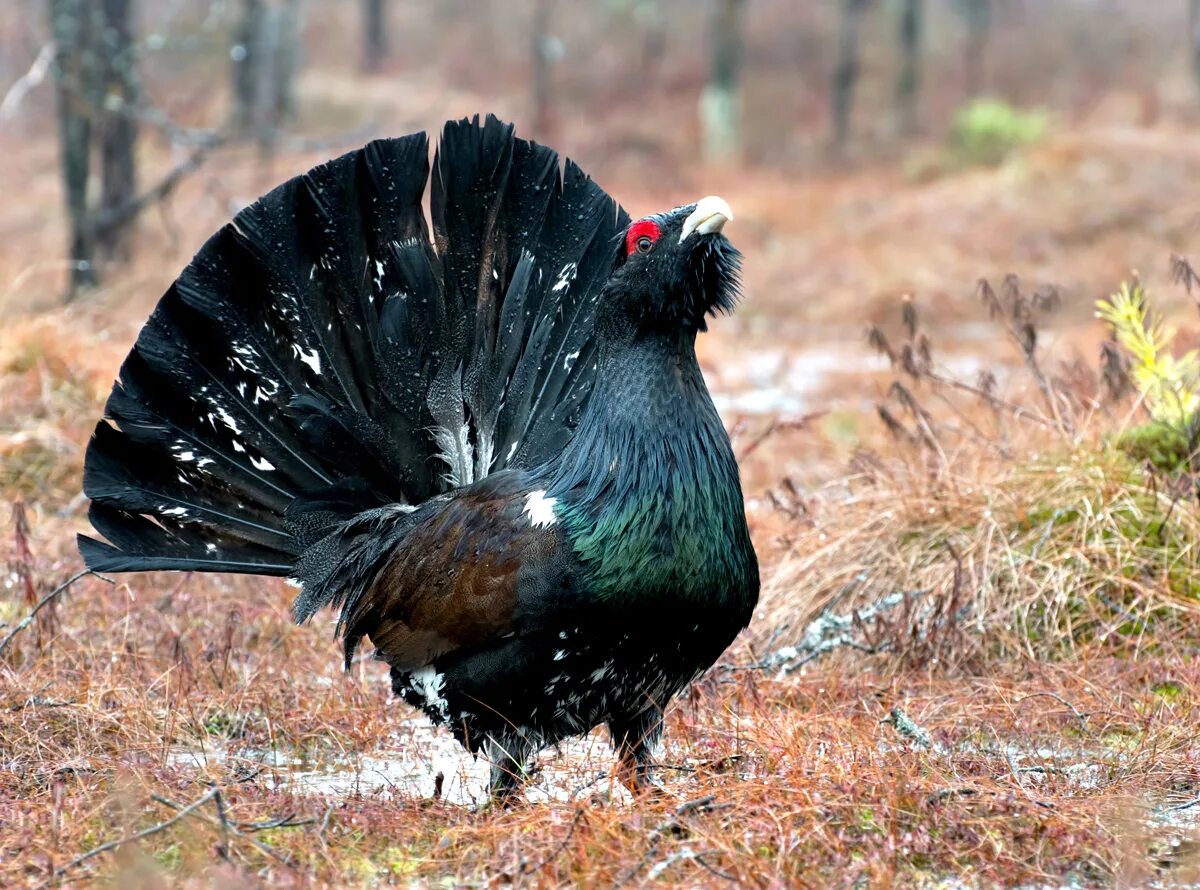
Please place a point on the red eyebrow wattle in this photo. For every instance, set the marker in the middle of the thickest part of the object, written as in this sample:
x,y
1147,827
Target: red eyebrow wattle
x,y
642,228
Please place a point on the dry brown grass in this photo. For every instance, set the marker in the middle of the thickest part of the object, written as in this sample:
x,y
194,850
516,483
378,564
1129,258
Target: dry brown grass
x,y
802,783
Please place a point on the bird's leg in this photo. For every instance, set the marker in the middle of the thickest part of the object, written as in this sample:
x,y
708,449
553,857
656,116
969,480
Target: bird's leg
x,y
635,739
509,754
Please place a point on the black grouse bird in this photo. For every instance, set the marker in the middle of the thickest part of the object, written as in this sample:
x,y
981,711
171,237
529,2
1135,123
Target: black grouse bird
x,y
493,449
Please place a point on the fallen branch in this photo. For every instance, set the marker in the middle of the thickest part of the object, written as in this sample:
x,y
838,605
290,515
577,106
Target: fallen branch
x,y
908,728
45,601
211,794
829,632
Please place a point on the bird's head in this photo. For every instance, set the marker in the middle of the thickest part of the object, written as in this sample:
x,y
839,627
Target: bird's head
x,y
673,269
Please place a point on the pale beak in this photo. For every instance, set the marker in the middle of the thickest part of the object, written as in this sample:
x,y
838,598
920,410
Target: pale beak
x,y
710,216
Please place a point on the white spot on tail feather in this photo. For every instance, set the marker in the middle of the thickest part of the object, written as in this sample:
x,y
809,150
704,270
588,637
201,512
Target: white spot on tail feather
x,y
261,463
540,509
565,277
308,356
226,418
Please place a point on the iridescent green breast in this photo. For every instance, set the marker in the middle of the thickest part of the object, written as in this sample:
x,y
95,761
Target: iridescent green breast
x,y
682,538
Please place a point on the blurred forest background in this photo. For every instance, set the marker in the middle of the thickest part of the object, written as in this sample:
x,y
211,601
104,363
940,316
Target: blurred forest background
x,y
134,124
967,490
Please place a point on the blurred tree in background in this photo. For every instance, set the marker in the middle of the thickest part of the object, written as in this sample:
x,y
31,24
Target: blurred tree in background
x,y
118,128
845,72
95,71
978,17
375,34
908,83
266,55
1194,31
545,50
721,103
766,82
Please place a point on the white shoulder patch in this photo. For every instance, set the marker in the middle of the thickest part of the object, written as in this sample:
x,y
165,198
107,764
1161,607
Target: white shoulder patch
x,y
540,509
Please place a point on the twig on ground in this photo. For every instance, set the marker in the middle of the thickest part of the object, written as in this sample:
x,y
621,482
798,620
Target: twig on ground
x,y
527,869
683,855
183,812
288,821
947,793
229,828
223,821
36,701
1081,717
44,601
672,827
779,426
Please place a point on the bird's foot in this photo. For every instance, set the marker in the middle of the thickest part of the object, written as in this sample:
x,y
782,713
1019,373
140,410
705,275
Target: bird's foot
x,y
637,781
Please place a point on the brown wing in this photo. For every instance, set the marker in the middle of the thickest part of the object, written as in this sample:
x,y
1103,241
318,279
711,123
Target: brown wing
x,y
453,582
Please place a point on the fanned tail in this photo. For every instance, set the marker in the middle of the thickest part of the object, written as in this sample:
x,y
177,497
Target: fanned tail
x,y
321,357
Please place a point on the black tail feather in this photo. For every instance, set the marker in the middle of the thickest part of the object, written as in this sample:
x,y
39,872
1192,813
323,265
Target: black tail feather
x,y
320,357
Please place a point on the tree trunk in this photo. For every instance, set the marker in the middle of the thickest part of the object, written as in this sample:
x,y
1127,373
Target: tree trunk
x,y
654,40
979,20
721,103
1194,30
246,57
845,72
908,84
285,40
117,127
265,55
542,50
73,25
375,34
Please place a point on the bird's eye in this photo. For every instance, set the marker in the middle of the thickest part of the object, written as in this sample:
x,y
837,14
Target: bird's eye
x,y
641,236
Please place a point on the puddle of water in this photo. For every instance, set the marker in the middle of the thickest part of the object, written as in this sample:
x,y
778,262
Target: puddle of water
x,y
417,752
779,381
1178,815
